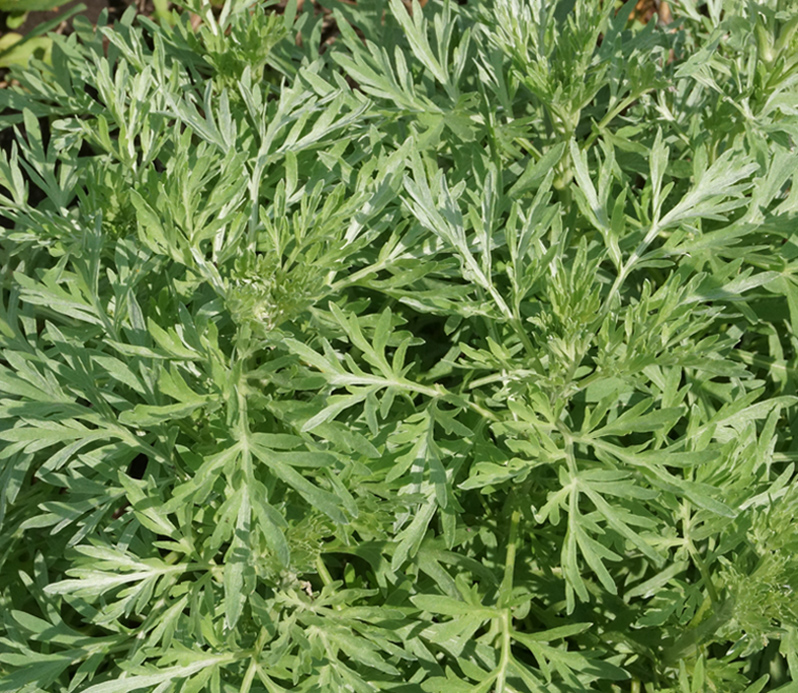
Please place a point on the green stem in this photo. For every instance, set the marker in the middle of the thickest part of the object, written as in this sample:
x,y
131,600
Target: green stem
x,y
465,402
324,574
252,669
504,660
506,589
688,643
326,578
762,362
354,278
506,593
518,325
611,115
568,449
697,559
705,574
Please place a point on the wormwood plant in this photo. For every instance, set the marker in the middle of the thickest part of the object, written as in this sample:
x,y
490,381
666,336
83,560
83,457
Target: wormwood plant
x,y
461,358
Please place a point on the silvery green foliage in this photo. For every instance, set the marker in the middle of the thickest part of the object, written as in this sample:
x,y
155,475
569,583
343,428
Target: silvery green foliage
x,y
460,358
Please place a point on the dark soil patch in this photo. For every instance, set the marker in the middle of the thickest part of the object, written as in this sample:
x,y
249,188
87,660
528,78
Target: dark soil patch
x,y
92,13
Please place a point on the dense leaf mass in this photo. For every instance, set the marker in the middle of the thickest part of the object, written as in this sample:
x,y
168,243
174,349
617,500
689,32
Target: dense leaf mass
x,y
461,357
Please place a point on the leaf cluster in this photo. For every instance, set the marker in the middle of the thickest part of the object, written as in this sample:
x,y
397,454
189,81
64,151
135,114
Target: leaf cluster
x,y
458,358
